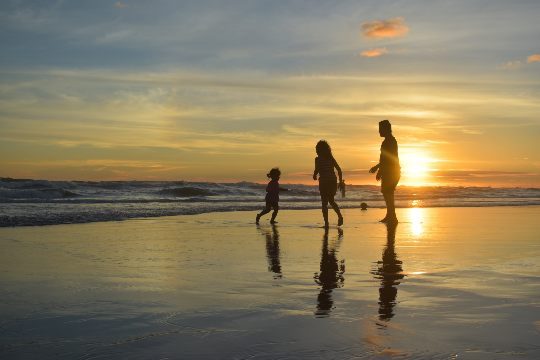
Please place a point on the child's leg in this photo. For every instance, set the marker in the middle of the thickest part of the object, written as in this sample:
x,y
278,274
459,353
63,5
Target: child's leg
x,y
274,214
265,211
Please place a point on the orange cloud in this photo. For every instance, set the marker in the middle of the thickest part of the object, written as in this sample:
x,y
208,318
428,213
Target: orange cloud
x,y
533,58
374,52
379,29
120,5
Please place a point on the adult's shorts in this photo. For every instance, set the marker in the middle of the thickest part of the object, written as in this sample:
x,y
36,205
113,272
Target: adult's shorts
x,y
389,183
328,187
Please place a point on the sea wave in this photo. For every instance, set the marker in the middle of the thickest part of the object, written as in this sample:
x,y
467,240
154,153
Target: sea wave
x,y
41,202
187,192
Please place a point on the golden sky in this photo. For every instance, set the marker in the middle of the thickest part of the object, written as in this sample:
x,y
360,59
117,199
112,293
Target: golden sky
x,y
122,91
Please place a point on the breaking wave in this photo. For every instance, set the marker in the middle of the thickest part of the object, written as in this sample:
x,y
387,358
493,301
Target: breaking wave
x,y
41,202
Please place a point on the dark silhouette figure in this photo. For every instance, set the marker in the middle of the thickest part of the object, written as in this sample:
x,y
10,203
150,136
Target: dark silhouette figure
x,y
272,251
272,196
331,275
389,271
324,167
388,169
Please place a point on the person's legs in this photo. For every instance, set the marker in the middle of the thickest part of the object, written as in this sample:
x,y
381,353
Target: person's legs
x,y
336,209
390,206
324,202
274,214
265,211
385,218
323,191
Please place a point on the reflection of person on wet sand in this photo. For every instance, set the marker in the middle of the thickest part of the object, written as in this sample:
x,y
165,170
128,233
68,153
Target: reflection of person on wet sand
x,y
388,169
272,251
389,271
331,275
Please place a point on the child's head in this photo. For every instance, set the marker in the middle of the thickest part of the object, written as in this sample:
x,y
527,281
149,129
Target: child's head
x,y
385,128
323,149
274,174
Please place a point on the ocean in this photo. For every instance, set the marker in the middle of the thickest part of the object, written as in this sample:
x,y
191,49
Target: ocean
x,y
26,202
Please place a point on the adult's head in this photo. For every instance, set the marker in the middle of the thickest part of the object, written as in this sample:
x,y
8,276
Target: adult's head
x,y
385,128
323,149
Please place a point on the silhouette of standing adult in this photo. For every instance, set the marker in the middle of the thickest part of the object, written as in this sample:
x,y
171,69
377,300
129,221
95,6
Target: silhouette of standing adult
x,y
388,170
389,271
331,275
324,167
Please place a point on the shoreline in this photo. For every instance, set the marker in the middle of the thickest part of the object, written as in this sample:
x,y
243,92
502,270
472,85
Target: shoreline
x,y
2,226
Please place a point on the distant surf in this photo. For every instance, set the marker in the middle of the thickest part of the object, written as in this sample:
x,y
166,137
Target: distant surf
x,y
26,202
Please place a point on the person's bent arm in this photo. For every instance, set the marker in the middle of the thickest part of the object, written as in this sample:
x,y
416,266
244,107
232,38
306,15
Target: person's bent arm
x,y
340,174
375,168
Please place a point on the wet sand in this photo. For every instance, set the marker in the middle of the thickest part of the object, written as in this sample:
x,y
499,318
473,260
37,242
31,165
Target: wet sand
x,y
446,283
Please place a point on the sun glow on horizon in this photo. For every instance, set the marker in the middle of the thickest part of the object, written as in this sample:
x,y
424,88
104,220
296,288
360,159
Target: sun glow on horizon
x,y
416,167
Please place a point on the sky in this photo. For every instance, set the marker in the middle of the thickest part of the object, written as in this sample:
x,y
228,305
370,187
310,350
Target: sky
x,y
225,90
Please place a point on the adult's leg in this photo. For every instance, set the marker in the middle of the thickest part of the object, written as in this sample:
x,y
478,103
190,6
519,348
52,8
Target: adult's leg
x,y
390,207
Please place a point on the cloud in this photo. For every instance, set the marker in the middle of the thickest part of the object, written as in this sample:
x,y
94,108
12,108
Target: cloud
x,y
379,29
482,173
511,65
517,64
113,37
120,5
533,58
374,52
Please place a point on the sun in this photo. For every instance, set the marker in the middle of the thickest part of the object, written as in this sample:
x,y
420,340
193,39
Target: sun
x,y
416,167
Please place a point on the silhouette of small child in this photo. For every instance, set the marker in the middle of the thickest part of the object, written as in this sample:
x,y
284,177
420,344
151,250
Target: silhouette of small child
x,y
363,206
272,196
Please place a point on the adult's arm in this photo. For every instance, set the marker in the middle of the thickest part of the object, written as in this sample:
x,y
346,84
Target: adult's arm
x,y
375,168
316,171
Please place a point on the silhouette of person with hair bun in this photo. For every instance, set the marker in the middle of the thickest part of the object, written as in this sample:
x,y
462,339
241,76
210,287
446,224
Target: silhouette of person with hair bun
x,y
324,167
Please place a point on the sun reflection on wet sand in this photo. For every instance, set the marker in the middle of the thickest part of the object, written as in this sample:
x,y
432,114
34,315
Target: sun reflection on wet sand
x,y
416,216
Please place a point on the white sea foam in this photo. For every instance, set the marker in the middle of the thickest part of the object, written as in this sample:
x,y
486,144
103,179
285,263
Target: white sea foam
x,y
40,202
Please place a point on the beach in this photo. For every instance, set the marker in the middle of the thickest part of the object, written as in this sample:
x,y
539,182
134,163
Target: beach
x,y
445,283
